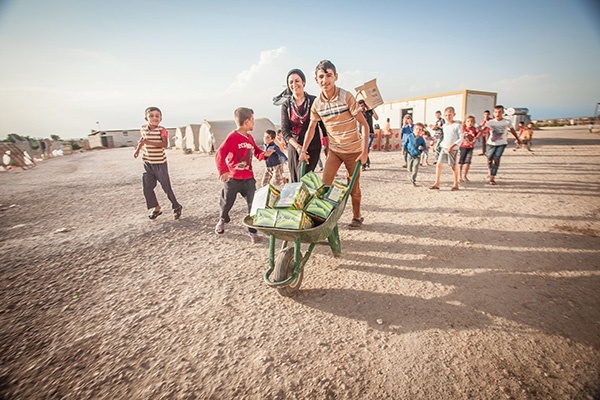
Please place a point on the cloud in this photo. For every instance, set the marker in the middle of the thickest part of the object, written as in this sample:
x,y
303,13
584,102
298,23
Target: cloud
x,y
267,58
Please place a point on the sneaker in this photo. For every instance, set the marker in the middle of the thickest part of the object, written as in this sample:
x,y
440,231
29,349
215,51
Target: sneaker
x,y
254,237
356,223
177,212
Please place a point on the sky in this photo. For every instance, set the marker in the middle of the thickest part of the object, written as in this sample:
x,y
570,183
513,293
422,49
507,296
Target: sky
x,y
68,67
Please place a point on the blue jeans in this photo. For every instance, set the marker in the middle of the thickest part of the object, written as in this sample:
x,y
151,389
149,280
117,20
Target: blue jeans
x,y
371,136
493,154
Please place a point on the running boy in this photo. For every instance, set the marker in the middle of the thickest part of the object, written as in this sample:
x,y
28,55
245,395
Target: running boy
x,y
414,145
154,139
467,145
452,136
497,140
339,111
234,163
274,171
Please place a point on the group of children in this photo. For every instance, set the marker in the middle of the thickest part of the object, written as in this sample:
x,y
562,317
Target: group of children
x,y
452,141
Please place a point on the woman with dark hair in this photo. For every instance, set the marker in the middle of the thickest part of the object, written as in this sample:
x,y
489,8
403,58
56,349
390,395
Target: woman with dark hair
x,y
295,118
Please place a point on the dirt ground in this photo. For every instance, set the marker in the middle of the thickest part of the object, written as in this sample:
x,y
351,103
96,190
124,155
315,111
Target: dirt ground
x,y
485,293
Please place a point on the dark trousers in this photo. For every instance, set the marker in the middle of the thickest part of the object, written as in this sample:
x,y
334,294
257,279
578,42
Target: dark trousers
x,y
231,188
157,173
313,161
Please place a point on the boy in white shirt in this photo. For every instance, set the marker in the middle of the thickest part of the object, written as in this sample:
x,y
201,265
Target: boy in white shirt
x,y
448,148
497,140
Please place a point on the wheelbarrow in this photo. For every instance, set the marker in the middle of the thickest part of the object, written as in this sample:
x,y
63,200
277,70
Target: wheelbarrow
x,y
286,269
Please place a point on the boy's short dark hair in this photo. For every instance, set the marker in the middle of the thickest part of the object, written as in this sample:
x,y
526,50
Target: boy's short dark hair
x,y
324,66
420,124
438,112
487,111
271,133
499,107
150,109
242,114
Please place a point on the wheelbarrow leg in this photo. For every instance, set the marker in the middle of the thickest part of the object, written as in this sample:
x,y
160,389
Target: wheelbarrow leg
x,y
334,242
271,253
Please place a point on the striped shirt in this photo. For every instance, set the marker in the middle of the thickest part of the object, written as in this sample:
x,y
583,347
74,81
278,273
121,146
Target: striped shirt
x,y
338,115
154,154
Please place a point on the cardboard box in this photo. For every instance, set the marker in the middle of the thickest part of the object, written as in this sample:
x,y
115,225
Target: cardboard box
x,y
265,217
369,92
294,195
336,191
265,197
319,209
293,219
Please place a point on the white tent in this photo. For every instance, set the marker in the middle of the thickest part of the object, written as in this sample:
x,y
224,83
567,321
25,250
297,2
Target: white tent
x,y
213,133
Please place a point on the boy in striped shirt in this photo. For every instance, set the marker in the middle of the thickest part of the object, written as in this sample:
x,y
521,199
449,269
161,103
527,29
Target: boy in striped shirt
x,y
340,112
154,140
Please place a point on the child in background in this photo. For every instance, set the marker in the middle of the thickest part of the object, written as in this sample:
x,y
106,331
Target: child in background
x,y
466,147
234,163
449,148
438,134
425,153
274,171
527,136
406,131
521,127
484,131
154,140
387,134
414,145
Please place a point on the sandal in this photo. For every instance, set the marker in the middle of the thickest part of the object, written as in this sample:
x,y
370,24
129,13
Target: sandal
x,y
356,223
177,212
492,183
454,188
434,187
155,213
255,237
220,227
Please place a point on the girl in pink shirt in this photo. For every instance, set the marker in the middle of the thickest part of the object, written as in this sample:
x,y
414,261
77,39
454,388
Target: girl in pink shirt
x,y
466,147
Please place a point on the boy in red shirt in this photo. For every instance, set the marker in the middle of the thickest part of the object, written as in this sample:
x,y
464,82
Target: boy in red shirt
x,y
234,163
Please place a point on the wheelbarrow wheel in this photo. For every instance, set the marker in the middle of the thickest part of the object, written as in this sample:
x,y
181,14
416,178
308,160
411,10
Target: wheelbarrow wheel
x,y
284,267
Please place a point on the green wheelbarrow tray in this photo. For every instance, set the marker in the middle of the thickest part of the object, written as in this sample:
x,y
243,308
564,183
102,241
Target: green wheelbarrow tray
x,y
328,230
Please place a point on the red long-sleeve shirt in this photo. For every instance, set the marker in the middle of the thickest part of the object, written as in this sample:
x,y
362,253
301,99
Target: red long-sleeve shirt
x,y
235,155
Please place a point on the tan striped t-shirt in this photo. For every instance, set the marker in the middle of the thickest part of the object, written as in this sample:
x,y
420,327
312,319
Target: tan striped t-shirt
x,y
154,154
338,116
